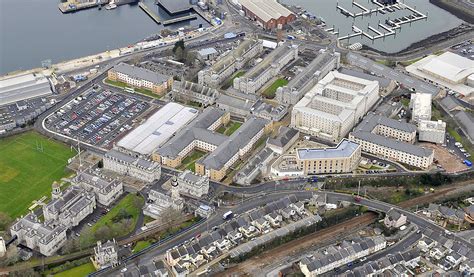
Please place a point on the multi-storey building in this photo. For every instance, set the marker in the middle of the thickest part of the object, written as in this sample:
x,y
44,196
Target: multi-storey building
x,y
193,185
215,75
308,77
47,239
431,131
138,77
420,106
391,139
334,106
106,191
69,207
345,157
264,71
142,169
224,151
189,91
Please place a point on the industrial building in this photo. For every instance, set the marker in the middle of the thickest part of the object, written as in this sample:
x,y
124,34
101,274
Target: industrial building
x,y
267,69
139,77
391,139
175,6
431,131
224,151
420,106
449,71
334,106
343,158
267,13
158,129
142,169
23,87
216,74
307,78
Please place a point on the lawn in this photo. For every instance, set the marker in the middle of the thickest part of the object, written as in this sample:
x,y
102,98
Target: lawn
x,y
138,90
26,174
191,159
141,245
230,128
230,82
270,91
79,271
128,204
405,102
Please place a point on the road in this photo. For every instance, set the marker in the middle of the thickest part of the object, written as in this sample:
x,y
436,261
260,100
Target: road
x,y
266,197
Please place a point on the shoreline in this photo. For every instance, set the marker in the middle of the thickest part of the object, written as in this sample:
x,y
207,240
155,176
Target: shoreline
x,y
432,40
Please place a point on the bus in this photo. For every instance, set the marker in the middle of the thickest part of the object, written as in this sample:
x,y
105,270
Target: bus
x,y
227,215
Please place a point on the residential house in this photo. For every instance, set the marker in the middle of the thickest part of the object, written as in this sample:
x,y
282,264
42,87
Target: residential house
x,y
394,219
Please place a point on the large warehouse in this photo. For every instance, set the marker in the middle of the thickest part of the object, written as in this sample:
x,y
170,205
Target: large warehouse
x,y
23,87
449,71
268,13
157,129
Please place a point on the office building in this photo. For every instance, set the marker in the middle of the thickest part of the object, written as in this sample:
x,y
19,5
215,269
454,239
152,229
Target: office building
x,y
391,139
139,77
334,106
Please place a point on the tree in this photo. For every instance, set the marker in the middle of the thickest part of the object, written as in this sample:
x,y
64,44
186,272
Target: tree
x,y
179,54
169,215
5,221
179,45
165,32
25,273
122,214
100,164
103,233
138,202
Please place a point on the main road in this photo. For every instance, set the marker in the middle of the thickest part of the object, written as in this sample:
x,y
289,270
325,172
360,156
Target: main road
x,y
266,195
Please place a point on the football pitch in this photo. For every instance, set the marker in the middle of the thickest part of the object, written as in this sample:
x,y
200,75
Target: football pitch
x,y
29,163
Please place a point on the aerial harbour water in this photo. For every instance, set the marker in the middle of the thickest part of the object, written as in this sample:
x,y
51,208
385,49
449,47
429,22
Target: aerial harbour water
x,y
437,21
35,30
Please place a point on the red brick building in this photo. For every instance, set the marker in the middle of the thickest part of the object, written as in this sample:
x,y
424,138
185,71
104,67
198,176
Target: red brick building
x,y
268,13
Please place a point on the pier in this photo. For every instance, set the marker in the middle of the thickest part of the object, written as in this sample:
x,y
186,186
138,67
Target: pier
x,y
180,19
150,13
69,7
393,25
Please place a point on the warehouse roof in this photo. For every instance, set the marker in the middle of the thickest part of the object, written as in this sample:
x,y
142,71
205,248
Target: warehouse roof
x,y
141,73
22,87
266,9
344,149
157,129
467,121
448,65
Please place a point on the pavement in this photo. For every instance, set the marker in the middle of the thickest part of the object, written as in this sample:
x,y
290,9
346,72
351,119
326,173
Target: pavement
x,y
389,73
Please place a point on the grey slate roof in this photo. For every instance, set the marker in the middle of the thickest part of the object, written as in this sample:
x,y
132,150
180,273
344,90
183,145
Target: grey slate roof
x,y
364,132
141,73
284,136
467,122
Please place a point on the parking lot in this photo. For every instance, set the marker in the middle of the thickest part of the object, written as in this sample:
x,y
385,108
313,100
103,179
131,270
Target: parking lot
x,y
465,49
97,117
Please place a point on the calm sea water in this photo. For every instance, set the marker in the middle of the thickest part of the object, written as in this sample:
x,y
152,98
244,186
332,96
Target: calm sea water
x,y
35,30
438,21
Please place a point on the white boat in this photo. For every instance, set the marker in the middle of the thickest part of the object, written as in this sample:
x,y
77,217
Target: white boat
x,y
111,6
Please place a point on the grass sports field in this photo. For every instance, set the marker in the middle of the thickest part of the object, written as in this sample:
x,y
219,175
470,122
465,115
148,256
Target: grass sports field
x,y
26,174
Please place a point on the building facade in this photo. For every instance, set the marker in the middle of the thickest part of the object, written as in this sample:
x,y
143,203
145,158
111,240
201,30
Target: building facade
x,y
138,77
420,106
142,169
105,255
189,91
334,106
106,191
193,185
432,131
391,139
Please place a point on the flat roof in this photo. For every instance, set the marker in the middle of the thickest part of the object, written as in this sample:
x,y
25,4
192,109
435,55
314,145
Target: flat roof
x,y
344,149
266,9
141,73
158,129
448,65
22,87
207,51
175,6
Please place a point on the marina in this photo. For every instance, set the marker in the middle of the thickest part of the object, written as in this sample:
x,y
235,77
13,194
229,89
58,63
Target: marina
x,y
405,22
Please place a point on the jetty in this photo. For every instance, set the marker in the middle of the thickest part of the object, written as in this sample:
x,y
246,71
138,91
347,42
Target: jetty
x,y
150,13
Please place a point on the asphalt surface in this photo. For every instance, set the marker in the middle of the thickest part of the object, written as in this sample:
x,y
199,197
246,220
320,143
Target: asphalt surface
x,y
391,74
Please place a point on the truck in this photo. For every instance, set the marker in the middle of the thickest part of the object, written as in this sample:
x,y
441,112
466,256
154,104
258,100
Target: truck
x,y
227,215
